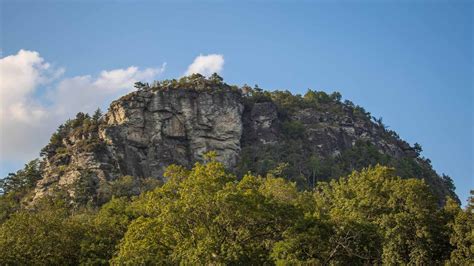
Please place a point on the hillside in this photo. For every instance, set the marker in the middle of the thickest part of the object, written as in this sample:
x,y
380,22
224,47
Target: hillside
x,y
199,172
314,137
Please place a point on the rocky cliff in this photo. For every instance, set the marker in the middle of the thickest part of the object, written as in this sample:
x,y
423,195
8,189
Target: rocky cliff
x,y
315,136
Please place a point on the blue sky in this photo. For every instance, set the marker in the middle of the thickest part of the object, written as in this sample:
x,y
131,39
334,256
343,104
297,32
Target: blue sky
x,y
408,62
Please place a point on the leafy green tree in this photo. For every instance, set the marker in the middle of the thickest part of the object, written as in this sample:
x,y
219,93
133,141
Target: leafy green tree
x,y
85,189
103,231
404,212
462,236
314,165
23,179
9,204
97,115
216,78
417,147
44,236
293,128
205,216
140,85
16,187
307,242
125,186
335,96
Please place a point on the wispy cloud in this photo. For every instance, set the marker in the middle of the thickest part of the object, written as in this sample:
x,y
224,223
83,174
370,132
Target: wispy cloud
x,y
206,64
26,121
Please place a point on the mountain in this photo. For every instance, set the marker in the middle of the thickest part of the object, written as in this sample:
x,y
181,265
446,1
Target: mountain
x,y
258,178
309,138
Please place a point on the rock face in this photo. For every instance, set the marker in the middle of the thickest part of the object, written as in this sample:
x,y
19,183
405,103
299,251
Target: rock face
x,y
325,133
147,130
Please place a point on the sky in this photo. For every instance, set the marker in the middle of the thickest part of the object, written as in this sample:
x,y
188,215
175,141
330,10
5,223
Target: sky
x,y
409,62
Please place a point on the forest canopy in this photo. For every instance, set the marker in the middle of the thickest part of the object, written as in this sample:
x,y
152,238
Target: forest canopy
x,y
206,215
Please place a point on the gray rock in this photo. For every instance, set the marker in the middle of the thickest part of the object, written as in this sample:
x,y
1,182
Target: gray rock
x,y
145,131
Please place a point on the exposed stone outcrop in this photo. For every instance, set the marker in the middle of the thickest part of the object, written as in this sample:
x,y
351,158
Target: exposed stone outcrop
x,y
147,130
325,133
150,130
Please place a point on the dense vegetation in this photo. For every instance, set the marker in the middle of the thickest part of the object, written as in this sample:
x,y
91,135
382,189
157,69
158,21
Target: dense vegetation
x,y
205,215
83,127
305,167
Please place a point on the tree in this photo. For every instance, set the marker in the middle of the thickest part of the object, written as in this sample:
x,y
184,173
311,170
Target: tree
x,y
293,128
103,231
205,216
16,186
215,78
336,96
462,236
97,115
42,237
404,212
314,165
85,189
125,186
307,242
140,85
417,147
23,179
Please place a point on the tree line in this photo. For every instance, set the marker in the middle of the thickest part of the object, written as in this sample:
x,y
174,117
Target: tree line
x,y
206,215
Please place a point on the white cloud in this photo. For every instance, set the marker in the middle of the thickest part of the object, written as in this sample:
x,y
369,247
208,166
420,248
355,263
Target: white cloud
x,y
122,78
20,74
85,93
206,64
26,122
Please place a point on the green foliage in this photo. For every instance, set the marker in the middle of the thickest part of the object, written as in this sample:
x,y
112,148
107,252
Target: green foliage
x,y
462,236
53,234
318,242
22,180
216,78
83,128
85,189
125,186
369,217
293,128
140,85
417,147
45,236
97,115
9,204
205,215
104,231
16,187
307,242
256,95
404,212
288,103
195,81
306,168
